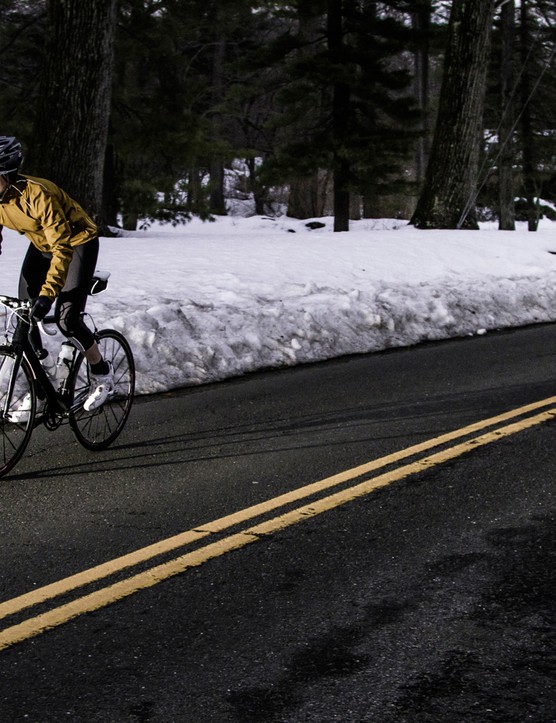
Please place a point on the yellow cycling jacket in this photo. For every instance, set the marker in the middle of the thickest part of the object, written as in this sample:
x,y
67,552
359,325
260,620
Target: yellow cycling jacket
x,y
51,220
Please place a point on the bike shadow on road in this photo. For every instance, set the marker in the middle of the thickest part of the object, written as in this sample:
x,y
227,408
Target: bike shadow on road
x,y
371,430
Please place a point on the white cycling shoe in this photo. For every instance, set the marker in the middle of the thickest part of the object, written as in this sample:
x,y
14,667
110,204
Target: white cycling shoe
x,y
102,385
21,414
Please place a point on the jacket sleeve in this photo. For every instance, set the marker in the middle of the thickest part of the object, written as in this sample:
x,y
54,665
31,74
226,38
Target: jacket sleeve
x,y
57,232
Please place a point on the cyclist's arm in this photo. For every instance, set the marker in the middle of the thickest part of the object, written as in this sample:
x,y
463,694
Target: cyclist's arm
x,y
57,234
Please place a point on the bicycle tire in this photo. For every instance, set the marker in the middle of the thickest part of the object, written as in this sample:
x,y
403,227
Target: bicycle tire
x,y
97,429
18,406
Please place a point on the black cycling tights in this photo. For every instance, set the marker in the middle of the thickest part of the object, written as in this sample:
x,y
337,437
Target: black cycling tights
x,y
72,299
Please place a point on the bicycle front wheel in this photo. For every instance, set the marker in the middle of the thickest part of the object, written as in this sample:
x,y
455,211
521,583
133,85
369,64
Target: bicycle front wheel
x,y
98,428
18,404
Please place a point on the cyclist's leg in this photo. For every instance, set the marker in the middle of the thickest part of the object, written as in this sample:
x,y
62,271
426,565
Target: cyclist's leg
x,y
72,300
69,310
33,275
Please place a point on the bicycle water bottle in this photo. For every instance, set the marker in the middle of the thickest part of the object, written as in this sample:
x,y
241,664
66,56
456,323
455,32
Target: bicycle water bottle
x,y
64,362
48,364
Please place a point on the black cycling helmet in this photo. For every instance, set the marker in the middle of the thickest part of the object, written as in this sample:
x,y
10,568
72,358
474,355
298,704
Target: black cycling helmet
x,y
11,157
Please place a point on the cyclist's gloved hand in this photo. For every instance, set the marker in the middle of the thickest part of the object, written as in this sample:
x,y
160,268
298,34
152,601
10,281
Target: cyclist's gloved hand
x,y
41,307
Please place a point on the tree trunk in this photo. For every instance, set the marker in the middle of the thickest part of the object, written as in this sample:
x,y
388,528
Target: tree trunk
x,y
526,122
340,116
109,194
130,219
448,196
195,196
258,189
421,20
304,197
341,193
71,125
217,203
506,193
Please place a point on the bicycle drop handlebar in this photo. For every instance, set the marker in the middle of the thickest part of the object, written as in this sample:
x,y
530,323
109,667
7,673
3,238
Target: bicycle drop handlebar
x,y
16,304
12,302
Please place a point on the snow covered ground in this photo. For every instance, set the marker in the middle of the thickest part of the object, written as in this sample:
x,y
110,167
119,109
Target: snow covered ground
x,y
207,301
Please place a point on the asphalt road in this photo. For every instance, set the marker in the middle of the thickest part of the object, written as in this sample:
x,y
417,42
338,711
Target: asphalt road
x,y
414,583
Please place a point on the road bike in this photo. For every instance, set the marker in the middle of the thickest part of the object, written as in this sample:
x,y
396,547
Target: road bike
x,y
29,397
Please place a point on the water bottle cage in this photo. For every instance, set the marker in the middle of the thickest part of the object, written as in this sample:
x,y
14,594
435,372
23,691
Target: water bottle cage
x,y
63,364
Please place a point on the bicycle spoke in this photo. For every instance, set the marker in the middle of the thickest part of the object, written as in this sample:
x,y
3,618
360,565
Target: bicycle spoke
x,y
17,407
97,429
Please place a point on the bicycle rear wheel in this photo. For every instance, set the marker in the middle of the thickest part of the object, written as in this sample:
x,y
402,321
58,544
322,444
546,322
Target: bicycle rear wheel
x,y
98,428
18,404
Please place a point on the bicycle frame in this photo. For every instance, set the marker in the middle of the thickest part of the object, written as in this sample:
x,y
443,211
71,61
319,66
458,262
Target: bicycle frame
x,y
23,379
23,347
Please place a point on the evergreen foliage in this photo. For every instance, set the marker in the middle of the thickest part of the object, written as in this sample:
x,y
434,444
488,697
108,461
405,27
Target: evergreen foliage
x,y
447,199
72,110
532,96
371,125
168,120
301,91
22,39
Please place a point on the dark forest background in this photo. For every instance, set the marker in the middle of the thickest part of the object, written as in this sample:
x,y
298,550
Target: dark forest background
x,y
442,112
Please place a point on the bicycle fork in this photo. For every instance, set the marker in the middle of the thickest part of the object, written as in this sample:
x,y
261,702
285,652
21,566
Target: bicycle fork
x,y
10,372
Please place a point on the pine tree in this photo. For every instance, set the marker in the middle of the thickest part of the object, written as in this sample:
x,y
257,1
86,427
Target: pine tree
x,y
421,18
521,156
170,122
22,39
506,186
537,111
448,196
71,122
345,105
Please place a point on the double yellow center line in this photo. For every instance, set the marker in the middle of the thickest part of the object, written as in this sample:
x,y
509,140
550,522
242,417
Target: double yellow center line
x,y
146,578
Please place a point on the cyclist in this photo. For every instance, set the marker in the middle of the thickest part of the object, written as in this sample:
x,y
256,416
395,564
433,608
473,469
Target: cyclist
x,y
61,258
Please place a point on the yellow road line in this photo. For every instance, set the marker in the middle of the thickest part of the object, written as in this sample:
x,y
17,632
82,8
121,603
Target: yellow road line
x,y
151,577
93,574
